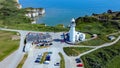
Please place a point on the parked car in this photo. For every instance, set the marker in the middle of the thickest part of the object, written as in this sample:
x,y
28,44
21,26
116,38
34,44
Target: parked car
x,y
40,55
78,60
48,58
37,61
46,62
57,64
38,58
51,44
49,52
80,65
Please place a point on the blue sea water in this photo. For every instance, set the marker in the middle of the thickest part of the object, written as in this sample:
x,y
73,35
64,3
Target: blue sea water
x,y
61,11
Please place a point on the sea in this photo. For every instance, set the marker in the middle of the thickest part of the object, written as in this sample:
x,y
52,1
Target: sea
x,y
62,11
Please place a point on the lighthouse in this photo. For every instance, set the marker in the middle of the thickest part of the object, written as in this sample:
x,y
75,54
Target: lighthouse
x,y
72,31
75,36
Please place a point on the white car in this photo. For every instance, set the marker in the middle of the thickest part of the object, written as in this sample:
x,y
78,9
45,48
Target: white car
x,y
46,62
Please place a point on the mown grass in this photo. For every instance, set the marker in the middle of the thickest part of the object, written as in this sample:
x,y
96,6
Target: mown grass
x,y
22,61
43,57
75,51
94,42
101,39
7,45
62,61
103,58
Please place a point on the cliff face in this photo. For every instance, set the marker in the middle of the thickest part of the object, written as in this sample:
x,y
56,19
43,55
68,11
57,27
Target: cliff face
x,y
18,5
34,12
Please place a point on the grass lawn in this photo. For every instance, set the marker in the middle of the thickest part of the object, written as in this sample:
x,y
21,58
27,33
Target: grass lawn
x,y
101,39
75,51
22,61
88,36
94,42
62,61
114,63
43,57
7,46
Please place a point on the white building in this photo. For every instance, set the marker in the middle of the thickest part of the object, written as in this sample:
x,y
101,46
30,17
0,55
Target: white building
x,y
75,36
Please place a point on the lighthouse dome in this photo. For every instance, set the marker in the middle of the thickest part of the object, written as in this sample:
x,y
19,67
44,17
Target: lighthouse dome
x,y
73,20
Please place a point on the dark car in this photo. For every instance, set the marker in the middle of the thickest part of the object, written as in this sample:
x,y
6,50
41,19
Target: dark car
x,y
49,52
50,44
38,58
78,60
37,61
57,64
47,58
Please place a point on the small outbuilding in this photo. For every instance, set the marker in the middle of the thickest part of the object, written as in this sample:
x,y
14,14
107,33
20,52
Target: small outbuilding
x,y
111,37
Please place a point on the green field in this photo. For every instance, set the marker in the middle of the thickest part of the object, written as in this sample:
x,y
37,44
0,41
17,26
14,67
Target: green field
x,y
74,51
7,46
103,58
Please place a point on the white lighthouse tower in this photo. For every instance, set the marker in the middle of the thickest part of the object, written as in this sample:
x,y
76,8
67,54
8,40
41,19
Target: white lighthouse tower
x,y
75,36
72,31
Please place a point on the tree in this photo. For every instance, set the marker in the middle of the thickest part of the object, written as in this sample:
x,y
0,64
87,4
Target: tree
x,y
109,11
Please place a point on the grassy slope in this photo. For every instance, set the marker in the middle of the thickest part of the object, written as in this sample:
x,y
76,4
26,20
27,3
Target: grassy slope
x,y
7,46
93,26
74,51
114,63
102,57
